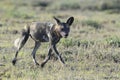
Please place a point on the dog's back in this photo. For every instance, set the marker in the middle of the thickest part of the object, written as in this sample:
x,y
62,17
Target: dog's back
x,y
40,31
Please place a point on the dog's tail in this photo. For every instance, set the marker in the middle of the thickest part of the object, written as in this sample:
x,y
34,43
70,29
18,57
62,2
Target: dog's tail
x,y
19,42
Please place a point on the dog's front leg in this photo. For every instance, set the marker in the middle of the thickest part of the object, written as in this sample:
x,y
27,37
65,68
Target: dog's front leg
x,y
49,52
58,55
47,58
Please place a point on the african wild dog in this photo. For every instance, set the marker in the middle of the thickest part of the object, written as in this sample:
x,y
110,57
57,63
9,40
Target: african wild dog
x,y
44,32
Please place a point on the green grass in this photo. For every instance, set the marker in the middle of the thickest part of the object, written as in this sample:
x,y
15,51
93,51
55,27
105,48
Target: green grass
x,y
92,23
88,4
91,51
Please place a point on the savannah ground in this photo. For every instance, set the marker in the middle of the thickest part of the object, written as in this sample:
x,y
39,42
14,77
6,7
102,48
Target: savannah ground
x,y
91,52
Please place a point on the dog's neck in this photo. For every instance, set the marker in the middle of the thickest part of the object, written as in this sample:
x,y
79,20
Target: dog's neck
x,y
56,31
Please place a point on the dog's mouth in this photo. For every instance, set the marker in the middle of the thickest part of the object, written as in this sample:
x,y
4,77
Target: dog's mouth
x,y
64,35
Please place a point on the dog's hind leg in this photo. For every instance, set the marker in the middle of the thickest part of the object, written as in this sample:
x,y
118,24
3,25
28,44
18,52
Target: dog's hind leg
x,y
37,45
20,42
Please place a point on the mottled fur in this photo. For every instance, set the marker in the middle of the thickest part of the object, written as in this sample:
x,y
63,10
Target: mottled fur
x,y
44,32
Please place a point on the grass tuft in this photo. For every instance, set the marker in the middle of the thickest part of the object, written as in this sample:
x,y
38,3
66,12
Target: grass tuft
x,y
113,41
92,23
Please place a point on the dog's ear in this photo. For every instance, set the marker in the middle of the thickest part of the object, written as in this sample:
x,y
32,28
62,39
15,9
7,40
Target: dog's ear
x,y
57,20
70,21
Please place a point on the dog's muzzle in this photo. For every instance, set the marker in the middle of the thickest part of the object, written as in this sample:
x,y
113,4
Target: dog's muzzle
x,y
64,35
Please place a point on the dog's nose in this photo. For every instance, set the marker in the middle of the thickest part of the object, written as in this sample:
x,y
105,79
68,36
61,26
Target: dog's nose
x,y
66,35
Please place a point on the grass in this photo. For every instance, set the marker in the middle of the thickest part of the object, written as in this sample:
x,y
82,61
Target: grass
x,y
88,4
91,52
113,41
92,23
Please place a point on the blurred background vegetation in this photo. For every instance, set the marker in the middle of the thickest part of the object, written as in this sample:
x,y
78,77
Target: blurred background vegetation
x,y
29,8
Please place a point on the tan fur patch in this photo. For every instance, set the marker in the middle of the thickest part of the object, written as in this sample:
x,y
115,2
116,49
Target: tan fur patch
x,y
57,30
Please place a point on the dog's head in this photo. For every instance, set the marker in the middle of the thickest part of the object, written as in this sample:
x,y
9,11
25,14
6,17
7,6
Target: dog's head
x,y
63,28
